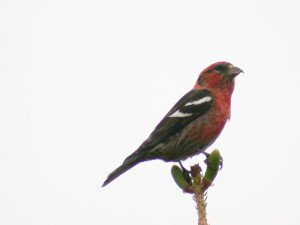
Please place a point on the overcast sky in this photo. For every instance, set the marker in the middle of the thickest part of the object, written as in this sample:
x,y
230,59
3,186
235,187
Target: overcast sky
x,y
83,83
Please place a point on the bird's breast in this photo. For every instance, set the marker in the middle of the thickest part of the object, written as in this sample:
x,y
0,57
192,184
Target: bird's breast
x,y
208,128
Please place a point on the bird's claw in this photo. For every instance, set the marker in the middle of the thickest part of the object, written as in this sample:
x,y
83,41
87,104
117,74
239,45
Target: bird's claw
x,y
186,173
207,162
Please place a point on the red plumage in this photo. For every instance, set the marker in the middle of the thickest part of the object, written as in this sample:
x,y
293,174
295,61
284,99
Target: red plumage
x,y
194,122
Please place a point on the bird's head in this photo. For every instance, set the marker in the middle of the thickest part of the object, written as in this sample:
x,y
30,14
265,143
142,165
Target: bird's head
x,y
219,75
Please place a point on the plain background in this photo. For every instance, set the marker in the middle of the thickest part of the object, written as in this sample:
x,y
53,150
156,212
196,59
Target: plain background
x,y
83,83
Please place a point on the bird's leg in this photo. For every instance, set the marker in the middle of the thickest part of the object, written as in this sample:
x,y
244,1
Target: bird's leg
x,y
186,173
206,157
207,163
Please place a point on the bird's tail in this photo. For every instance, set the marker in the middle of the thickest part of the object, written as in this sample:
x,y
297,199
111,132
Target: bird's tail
x,y
129,162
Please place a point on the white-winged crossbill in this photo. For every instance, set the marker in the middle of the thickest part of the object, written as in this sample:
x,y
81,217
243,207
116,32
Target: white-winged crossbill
x,y
193,123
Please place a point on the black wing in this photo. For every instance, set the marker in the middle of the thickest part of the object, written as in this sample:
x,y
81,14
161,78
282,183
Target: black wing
x,y
191,106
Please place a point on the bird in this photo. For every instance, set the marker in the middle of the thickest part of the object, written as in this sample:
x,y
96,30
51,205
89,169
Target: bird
x,y
192,124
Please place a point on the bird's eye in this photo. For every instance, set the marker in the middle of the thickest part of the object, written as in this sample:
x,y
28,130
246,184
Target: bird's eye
x,y
221,68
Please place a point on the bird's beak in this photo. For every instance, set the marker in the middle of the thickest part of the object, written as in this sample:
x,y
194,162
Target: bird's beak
x,y
234,71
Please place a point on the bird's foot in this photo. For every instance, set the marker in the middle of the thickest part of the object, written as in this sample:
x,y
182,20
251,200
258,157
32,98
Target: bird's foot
x,y
207,162
186,173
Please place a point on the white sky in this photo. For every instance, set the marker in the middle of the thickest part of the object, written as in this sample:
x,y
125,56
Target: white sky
x,y
83,83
